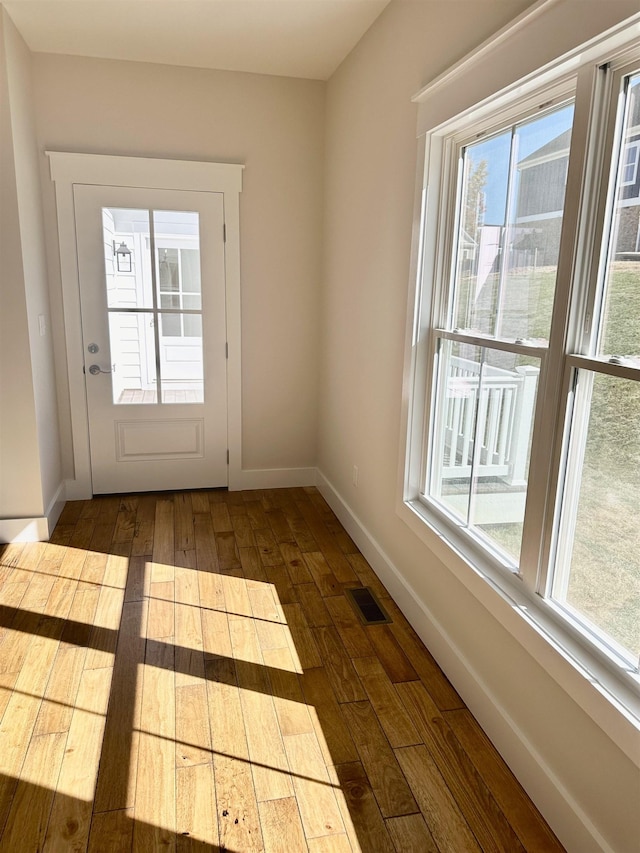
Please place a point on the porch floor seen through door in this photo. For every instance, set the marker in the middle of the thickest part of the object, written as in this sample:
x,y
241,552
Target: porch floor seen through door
x,y
184,672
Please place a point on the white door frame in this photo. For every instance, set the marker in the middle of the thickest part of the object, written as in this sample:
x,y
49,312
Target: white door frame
x,y
68,169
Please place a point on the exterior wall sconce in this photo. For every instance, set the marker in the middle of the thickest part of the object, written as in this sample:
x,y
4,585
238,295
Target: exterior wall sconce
x,y
123,257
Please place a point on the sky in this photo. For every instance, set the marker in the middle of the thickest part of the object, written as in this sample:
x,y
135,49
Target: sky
x,y
530,136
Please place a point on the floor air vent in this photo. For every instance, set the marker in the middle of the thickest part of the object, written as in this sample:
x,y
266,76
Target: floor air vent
x,y
367,606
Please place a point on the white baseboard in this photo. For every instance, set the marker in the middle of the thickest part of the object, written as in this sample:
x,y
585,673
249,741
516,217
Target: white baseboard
x,y
270,478
563,813
239,480
36,529
56,506
24,529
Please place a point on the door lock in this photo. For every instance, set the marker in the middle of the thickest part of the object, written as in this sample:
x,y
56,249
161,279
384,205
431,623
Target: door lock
x,y
93,348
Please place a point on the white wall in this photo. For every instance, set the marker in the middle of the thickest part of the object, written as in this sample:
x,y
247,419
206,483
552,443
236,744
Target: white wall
x,y
30,471
273,125
585,785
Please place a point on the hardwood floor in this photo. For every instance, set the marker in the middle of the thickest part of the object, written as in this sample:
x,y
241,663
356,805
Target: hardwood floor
x,y
184,672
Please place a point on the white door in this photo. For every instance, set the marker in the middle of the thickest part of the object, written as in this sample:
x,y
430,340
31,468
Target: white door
x,y
152,294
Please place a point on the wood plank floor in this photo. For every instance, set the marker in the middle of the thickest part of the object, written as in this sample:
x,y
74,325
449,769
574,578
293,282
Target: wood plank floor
x,y
184,672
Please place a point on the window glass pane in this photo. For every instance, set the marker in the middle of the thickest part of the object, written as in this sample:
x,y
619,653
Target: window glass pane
x,y
482,218
168,275
457,396
127,276
170,325
192,325
131,338
509,236
630,156
169,300
598,567
486,403
190,259
620,329
508,394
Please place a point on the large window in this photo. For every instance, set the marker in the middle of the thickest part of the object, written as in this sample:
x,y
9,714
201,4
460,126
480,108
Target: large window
x,y
528,342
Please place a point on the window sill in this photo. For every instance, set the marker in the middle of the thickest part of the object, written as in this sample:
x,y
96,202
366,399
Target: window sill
x,y
608,695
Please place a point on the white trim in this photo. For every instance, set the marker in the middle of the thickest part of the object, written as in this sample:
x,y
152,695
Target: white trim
x,y
545,42
37,529
522,21
270,478
24,529
56,506
146,172
564,814
69,168
76,490
240,479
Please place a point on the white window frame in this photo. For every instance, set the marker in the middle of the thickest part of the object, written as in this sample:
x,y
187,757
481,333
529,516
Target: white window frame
x,y
602,685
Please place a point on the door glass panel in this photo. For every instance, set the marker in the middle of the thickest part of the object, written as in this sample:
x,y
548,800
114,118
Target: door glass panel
x,y
153,343
133,357
620,333
509,235
177,236
486,402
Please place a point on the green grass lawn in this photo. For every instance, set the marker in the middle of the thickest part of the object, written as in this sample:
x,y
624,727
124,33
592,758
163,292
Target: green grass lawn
x,y
604,582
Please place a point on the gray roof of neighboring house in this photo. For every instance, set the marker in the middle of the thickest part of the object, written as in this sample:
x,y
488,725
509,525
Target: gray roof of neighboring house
x,y
555,148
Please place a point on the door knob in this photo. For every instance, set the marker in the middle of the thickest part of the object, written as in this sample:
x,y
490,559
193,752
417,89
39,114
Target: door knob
x,y
95,369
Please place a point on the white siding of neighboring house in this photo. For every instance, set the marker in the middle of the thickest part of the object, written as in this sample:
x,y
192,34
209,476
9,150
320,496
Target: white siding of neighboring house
x,y
122,290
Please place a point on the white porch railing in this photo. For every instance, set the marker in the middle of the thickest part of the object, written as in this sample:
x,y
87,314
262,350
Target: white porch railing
x,y
505,405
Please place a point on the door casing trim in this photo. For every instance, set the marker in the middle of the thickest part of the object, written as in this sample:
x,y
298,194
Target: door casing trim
x,y
70,168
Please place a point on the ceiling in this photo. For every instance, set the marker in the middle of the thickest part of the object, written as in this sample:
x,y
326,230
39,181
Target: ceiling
x,y
293,38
